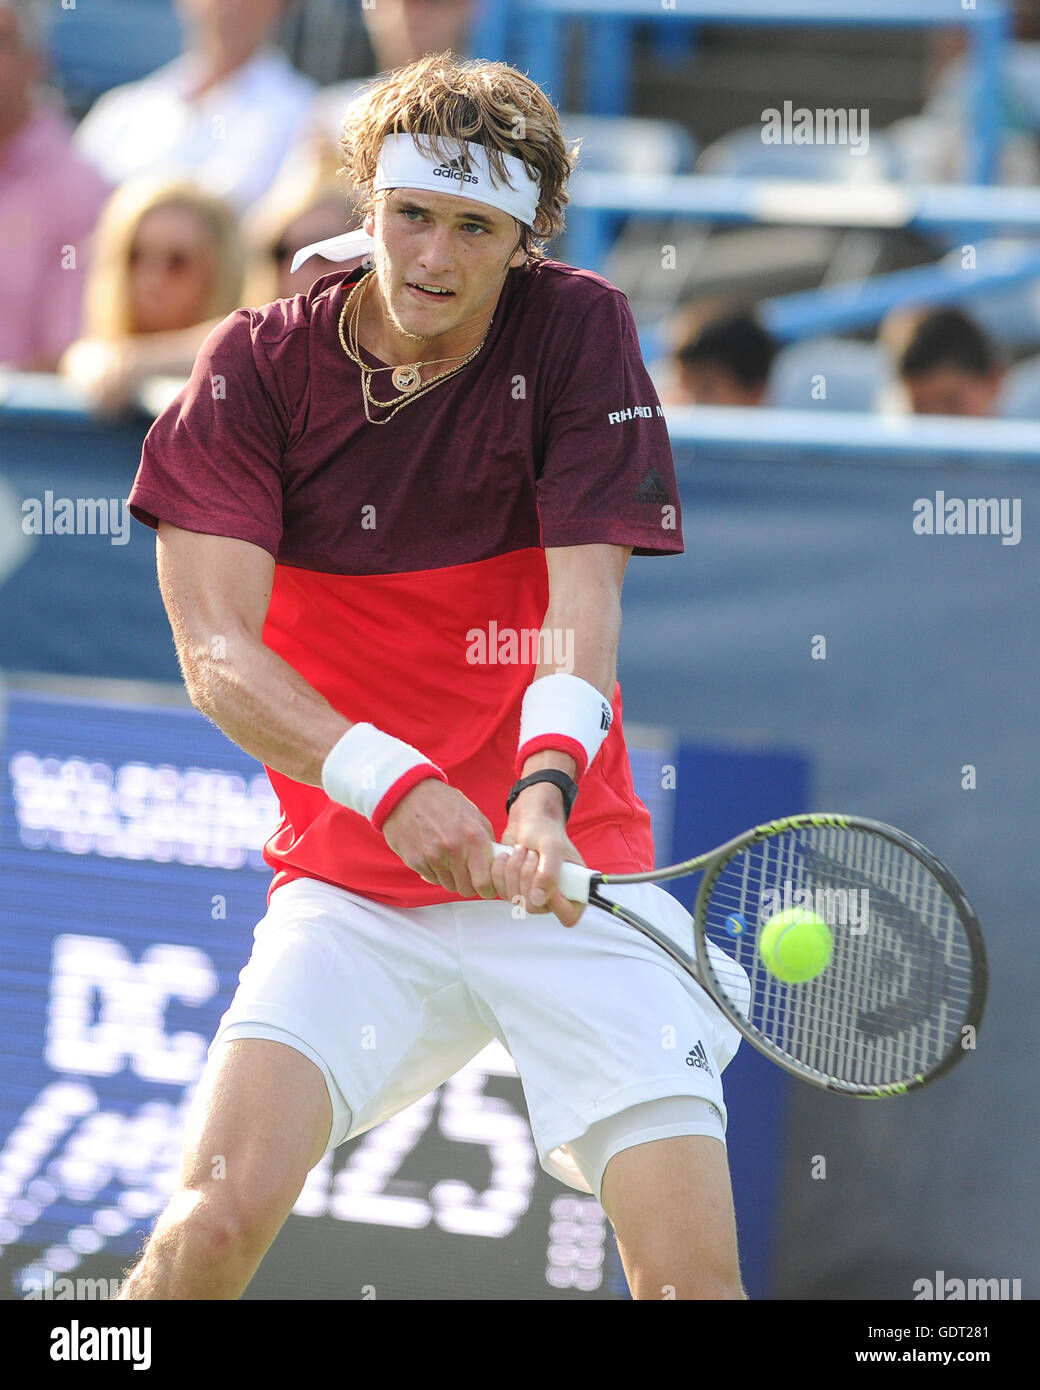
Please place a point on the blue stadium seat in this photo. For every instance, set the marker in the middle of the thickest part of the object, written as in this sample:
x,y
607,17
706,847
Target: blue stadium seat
x,y
1020,398
630,145
742,153
626,145
1011,316
852,374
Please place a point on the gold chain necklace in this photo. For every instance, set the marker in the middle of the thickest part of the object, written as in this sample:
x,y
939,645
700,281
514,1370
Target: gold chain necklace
x,y
407,377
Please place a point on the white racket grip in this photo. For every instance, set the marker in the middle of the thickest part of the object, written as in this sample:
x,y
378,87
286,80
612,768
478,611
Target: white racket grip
x,y
574,878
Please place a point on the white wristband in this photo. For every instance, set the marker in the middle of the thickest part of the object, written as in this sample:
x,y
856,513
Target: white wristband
x,y
370,771
565,713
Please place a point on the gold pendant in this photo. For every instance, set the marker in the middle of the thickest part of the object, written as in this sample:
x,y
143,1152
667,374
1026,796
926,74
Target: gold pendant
x,y
406,378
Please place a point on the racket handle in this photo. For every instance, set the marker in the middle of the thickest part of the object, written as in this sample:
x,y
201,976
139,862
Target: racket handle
x,y
574,878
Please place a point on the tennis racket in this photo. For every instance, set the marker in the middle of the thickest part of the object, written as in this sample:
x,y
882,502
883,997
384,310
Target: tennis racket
x,y
899,1002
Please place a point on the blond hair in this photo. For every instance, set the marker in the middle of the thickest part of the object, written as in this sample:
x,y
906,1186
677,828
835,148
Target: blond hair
x,y
442,97
107,307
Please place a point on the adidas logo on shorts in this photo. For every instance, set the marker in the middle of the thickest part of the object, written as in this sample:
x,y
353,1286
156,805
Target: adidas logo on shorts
x,y
697,1057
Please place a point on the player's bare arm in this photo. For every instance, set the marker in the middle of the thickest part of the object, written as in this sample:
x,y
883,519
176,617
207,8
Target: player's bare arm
x,y
585,583
216,591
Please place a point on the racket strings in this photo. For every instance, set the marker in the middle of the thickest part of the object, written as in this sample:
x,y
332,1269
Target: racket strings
x,y
891,1003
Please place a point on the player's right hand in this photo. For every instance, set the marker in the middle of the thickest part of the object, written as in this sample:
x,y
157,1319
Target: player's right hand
x,y
447,840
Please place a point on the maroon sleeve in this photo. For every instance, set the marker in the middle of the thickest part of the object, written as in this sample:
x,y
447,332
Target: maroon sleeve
x,y
212,461
607,475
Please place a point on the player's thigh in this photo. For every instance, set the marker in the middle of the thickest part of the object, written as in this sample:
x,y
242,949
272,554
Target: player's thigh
x,y
260,1120
670,1202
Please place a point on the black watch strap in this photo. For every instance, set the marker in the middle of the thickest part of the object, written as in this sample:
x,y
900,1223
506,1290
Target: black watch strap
x,y
567,786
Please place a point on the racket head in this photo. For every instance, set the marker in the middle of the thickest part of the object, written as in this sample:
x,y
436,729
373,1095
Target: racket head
x,y
901,998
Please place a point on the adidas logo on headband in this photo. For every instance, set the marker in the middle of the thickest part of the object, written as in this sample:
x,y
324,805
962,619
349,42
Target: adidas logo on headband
x,y
457,169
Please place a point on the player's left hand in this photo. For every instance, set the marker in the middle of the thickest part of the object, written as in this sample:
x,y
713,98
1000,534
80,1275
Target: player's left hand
x,y
530,873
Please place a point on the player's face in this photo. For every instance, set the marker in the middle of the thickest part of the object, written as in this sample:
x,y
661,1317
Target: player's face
x,y
953,391
429,242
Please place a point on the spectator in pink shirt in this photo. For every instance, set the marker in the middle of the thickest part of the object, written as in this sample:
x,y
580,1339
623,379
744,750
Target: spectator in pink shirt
x,y
50,199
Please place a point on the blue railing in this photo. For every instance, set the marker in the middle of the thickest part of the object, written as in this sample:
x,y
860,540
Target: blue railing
x,y
939,208
723,432
39,405
534,32
862,304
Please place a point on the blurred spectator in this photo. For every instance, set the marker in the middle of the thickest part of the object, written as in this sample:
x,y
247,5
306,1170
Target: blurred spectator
x,y
399,31
224,113
936,147
721,357
945,363
167,269
306,203
49,201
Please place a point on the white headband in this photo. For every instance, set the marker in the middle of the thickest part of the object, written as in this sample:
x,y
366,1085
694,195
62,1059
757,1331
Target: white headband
x,y
402,164
468,174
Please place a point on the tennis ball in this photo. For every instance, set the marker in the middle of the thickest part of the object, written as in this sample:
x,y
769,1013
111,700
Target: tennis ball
x,y
795,945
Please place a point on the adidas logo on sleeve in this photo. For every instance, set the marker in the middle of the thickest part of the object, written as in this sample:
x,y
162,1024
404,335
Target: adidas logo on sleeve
x,y
652,488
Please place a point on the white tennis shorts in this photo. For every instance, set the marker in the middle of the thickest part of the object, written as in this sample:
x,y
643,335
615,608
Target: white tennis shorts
x,y
390,1002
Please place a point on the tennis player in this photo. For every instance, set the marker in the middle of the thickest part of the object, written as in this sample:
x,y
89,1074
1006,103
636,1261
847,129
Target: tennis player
x,y
393,519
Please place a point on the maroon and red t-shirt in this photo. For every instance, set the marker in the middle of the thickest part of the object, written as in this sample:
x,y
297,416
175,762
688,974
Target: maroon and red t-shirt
x,y
410,580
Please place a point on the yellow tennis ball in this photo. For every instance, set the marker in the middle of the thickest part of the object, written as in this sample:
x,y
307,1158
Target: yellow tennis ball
x,y
795,945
